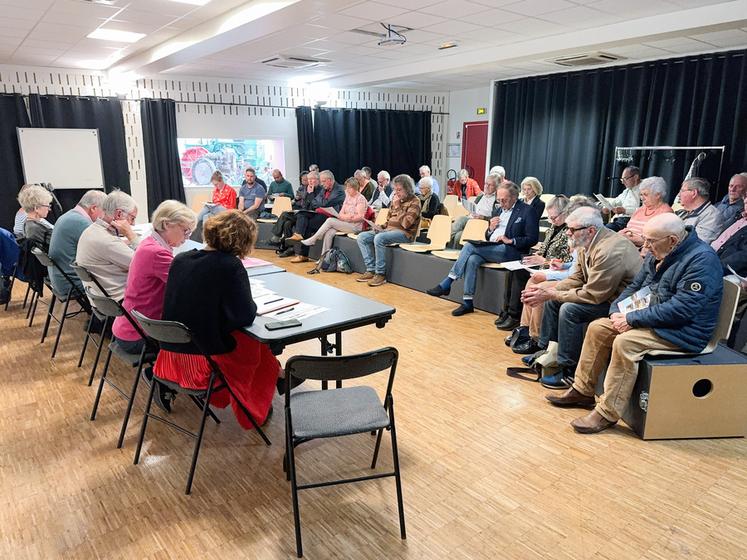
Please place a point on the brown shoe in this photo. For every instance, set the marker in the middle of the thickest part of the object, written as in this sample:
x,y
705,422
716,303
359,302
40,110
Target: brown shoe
x,y
592,423
295,237
377,280
299,259
571,398
365,277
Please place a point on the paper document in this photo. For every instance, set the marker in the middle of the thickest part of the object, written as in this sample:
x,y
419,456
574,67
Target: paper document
x,y
639,300
299,311
741,278
259,289
254,263
330,211
518,265
605,203
273,302
469,206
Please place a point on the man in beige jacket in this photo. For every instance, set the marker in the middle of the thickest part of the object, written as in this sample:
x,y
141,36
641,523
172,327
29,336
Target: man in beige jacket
x,y
606,264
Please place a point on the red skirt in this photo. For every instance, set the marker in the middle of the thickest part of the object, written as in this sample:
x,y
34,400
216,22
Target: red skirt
x,y
250,370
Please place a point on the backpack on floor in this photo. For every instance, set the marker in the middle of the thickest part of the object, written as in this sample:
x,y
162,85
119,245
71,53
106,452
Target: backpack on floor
x,y
334,260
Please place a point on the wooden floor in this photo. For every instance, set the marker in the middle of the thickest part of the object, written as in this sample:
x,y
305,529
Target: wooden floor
x,y
489,469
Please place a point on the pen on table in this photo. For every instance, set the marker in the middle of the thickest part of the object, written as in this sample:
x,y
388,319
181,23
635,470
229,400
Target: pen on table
x,y
285,311
273,301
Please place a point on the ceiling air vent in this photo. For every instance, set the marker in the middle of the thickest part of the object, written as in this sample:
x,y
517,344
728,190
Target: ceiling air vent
x,y
289,61
586,59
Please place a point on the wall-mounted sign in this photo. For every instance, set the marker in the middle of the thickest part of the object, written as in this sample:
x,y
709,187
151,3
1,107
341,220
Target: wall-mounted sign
x,y
482,111
454,150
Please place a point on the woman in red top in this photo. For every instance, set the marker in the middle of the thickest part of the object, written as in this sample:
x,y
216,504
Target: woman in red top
x,y
224,198
466,187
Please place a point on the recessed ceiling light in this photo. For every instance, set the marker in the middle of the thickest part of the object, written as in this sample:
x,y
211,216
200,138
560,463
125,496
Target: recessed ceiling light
x,y
116,35
193,2
448,45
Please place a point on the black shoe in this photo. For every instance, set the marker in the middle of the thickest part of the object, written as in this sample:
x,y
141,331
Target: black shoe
x,y
438,291
528,347
162,395
508,324
463,310
275,239
530,359
501,317
289,252
519,335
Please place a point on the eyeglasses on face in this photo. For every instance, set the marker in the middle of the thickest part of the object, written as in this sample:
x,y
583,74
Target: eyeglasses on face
x,y
648,241
575,229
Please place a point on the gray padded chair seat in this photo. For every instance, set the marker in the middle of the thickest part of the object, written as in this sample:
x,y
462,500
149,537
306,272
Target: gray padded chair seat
x,y
337,412
132,359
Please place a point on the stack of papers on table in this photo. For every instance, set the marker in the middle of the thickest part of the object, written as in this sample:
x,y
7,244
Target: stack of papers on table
x,y
250,262
272,302
298,311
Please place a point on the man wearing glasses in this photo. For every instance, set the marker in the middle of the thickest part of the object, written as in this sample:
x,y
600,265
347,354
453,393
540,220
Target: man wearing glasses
x,y
697,210
683,275
627,201
106,247
606,264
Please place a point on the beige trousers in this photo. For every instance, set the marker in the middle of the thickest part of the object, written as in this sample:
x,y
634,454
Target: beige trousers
x,y
603,345
532,316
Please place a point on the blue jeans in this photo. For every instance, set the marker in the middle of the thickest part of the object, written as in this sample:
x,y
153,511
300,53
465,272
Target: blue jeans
x,y
373,248
472,256
565,324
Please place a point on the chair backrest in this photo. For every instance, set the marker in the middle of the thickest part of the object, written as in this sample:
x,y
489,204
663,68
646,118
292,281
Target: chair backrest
x,y
474,230
199,200
450,202
86,276
382,217
338,368
458,212
439,232
281,204
48,261
42,257
105,305
170,332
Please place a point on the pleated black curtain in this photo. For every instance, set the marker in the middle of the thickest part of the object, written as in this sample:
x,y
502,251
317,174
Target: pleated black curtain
x,y
564,128
163,171
306,146
103,113
347,139
12,114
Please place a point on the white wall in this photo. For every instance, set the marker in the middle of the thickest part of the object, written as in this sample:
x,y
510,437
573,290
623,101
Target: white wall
x,y
463,106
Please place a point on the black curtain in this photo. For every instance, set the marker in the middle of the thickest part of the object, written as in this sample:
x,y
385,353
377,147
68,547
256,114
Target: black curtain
x,y
306,146
163,172
12,114
103,113
564,128
347,139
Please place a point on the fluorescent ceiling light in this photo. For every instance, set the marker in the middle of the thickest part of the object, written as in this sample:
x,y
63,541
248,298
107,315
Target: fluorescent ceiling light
x,y
116,35
193,2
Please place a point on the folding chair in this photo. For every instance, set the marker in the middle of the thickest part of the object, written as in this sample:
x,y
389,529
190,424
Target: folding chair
x,y
86,276
339,412
73,294
172,332
450,202
107,307
439,234
474,230
13,279
281,204
34,273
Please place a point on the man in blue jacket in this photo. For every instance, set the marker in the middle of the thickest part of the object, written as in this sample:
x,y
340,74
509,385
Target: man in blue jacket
x,y
513,230
683,275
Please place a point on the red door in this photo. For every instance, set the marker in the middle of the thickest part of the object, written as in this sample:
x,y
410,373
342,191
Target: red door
x,y
474,149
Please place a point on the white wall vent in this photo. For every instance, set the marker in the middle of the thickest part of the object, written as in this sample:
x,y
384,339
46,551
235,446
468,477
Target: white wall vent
x,y
290,61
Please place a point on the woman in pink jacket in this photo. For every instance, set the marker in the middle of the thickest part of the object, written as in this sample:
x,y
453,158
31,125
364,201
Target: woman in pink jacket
x,y
349,219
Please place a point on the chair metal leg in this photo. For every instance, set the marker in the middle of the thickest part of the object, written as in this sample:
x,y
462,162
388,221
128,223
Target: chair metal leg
x,y
397,479
101,385
144,424
26,297
130,401
294,487
198,442
249,415
338,352
10,291
59,329
50,312
200,403
31,304
85,343
376,448
98,351
33,311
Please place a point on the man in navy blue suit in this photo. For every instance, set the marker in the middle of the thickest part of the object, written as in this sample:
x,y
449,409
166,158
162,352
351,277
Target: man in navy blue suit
x,y
513,230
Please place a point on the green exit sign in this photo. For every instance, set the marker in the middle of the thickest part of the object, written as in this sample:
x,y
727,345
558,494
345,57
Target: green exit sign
x,y
482,110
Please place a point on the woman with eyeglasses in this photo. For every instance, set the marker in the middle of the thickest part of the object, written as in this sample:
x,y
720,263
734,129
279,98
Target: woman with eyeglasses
x,y
653,194
36,201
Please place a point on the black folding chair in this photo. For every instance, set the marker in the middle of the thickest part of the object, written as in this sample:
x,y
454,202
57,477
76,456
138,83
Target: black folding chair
x,y
107,307
86,276
339,412
73,294
34,273
172,332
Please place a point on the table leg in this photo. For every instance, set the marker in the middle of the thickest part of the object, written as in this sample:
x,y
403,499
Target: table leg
x,y
338,352
325,346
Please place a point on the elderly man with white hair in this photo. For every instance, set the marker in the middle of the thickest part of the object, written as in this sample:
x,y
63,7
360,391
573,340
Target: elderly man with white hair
x,y
106,247
731,205
425,171
381,197
684,274
64,243
697,210
607,263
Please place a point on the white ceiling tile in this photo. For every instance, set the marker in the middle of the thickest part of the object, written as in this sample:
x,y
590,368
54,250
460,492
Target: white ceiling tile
x,y
82,9
12,31
724,39
373,11
21,12
415,20
305,51
454,28
538,7
339,22
496,3
679,45
140,16
532,27
351,38
493,17
420,36
455,8
581,17
637,51
409,4
695,3
635,8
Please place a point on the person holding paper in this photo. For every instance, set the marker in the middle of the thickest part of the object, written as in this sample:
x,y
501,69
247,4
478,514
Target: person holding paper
x,y
653,195
223,198
349,219
627,201
513,231
308,222
483,208
684,277
380,197
209,292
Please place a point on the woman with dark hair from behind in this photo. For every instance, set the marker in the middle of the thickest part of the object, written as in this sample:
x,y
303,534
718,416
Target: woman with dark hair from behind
x,y
209,292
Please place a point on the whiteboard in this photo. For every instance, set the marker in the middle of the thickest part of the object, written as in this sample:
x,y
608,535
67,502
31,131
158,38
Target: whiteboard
x,y
67,158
